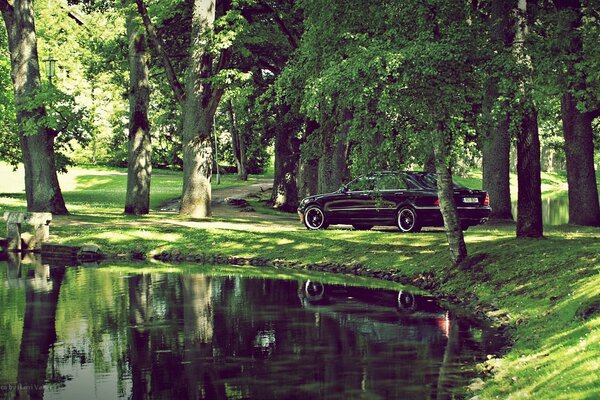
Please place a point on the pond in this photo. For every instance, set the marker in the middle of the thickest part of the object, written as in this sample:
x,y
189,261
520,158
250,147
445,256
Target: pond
x,y
162,332
555,208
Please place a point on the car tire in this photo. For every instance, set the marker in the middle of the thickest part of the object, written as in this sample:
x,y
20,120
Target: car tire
x,y
407,220
314,218
362,227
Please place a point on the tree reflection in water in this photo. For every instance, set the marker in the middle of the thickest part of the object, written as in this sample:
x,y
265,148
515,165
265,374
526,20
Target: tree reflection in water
x,y
194,336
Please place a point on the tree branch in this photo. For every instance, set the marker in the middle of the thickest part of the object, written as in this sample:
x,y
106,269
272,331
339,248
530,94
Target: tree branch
x,y
282,26
158,46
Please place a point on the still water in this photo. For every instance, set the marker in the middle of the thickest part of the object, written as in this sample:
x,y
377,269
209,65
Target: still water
x,y
555,208
171,332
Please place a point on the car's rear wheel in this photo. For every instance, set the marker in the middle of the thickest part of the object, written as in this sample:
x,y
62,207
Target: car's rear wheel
x,y
314,218
362,227
407,220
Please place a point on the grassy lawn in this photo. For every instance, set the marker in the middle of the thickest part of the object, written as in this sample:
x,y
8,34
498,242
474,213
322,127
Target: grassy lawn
x,y
547,291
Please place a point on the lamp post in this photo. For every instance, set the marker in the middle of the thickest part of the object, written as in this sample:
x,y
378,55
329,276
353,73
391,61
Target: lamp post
x,y
50,68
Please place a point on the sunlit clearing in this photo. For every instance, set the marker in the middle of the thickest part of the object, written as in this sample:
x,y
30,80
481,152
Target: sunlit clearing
x,y
117,237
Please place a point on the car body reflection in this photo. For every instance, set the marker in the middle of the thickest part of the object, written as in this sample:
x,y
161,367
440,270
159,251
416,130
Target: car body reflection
x,y
389,311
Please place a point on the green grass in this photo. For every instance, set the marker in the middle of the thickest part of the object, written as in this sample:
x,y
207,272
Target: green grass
x,y
547,291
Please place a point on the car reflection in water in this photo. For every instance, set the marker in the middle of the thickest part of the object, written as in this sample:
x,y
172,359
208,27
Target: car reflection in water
x,y
382,314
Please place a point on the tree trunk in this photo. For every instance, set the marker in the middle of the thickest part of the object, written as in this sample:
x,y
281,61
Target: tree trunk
x,y
41,181
237,142
441,146
496,133
429,162
333,163
308,168
201,101
584,208
139,167
529,203
496,160
287,156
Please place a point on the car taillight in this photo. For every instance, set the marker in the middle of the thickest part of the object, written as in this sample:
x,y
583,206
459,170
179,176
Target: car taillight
x,y
436,202
486,202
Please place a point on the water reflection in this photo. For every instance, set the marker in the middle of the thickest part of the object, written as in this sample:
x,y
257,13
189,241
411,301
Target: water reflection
x,y
100,333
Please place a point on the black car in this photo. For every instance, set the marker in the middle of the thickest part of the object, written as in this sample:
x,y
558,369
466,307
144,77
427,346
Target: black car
x,y
407,200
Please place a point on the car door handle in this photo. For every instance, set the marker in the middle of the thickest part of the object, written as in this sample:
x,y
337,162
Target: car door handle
x,y
399,193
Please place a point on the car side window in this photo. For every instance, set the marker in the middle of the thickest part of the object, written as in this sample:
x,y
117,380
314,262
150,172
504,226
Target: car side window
x,y
392,182
360,184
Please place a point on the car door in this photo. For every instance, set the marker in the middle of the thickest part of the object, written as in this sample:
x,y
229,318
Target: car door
x,y
391,190
354,204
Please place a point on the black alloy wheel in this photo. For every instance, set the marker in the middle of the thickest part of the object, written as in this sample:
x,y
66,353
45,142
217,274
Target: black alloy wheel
x,y
407,220
314,218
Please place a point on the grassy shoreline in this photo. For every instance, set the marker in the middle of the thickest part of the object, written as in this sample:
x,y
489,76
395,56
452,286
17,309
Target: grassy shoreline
x,y
546,291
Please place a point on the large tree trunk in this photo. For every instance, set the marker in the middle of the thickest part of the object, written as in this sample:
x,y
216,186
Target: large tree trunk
x,y
496,133
584,208
201,101
442,145
238,144
496,162
308,167
139,167
333,164
41,181
529,203
287,156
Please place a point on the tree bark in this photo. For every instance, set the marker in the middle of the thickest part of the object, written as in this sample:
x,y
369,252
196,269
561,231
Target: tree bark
x,y
529,203
237,141
442,145
333,163
496,160
308,167
496,133
584,207
201,102
139,167
287,156
41,181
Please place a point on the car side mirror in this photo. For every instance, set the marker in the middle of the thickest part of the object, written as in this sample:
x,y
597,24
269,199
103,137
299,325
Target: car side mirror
x,y
343,189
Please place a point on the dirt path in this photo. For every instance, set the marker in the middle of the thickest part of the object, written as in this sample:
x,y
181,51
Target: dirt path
x,y
244,218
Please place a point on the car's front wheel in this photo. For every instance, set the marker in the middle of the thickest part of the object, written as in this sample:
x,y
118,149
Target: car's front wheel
x,y
314,218
407,220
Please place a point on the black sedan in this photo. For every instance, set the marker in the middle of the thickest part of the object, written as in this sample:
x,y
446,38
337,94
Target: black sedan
x,y
407,200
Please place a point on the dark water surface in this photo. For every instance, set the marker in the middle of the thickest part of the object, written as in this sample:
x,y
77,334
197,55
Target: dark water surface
x,y
186,333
